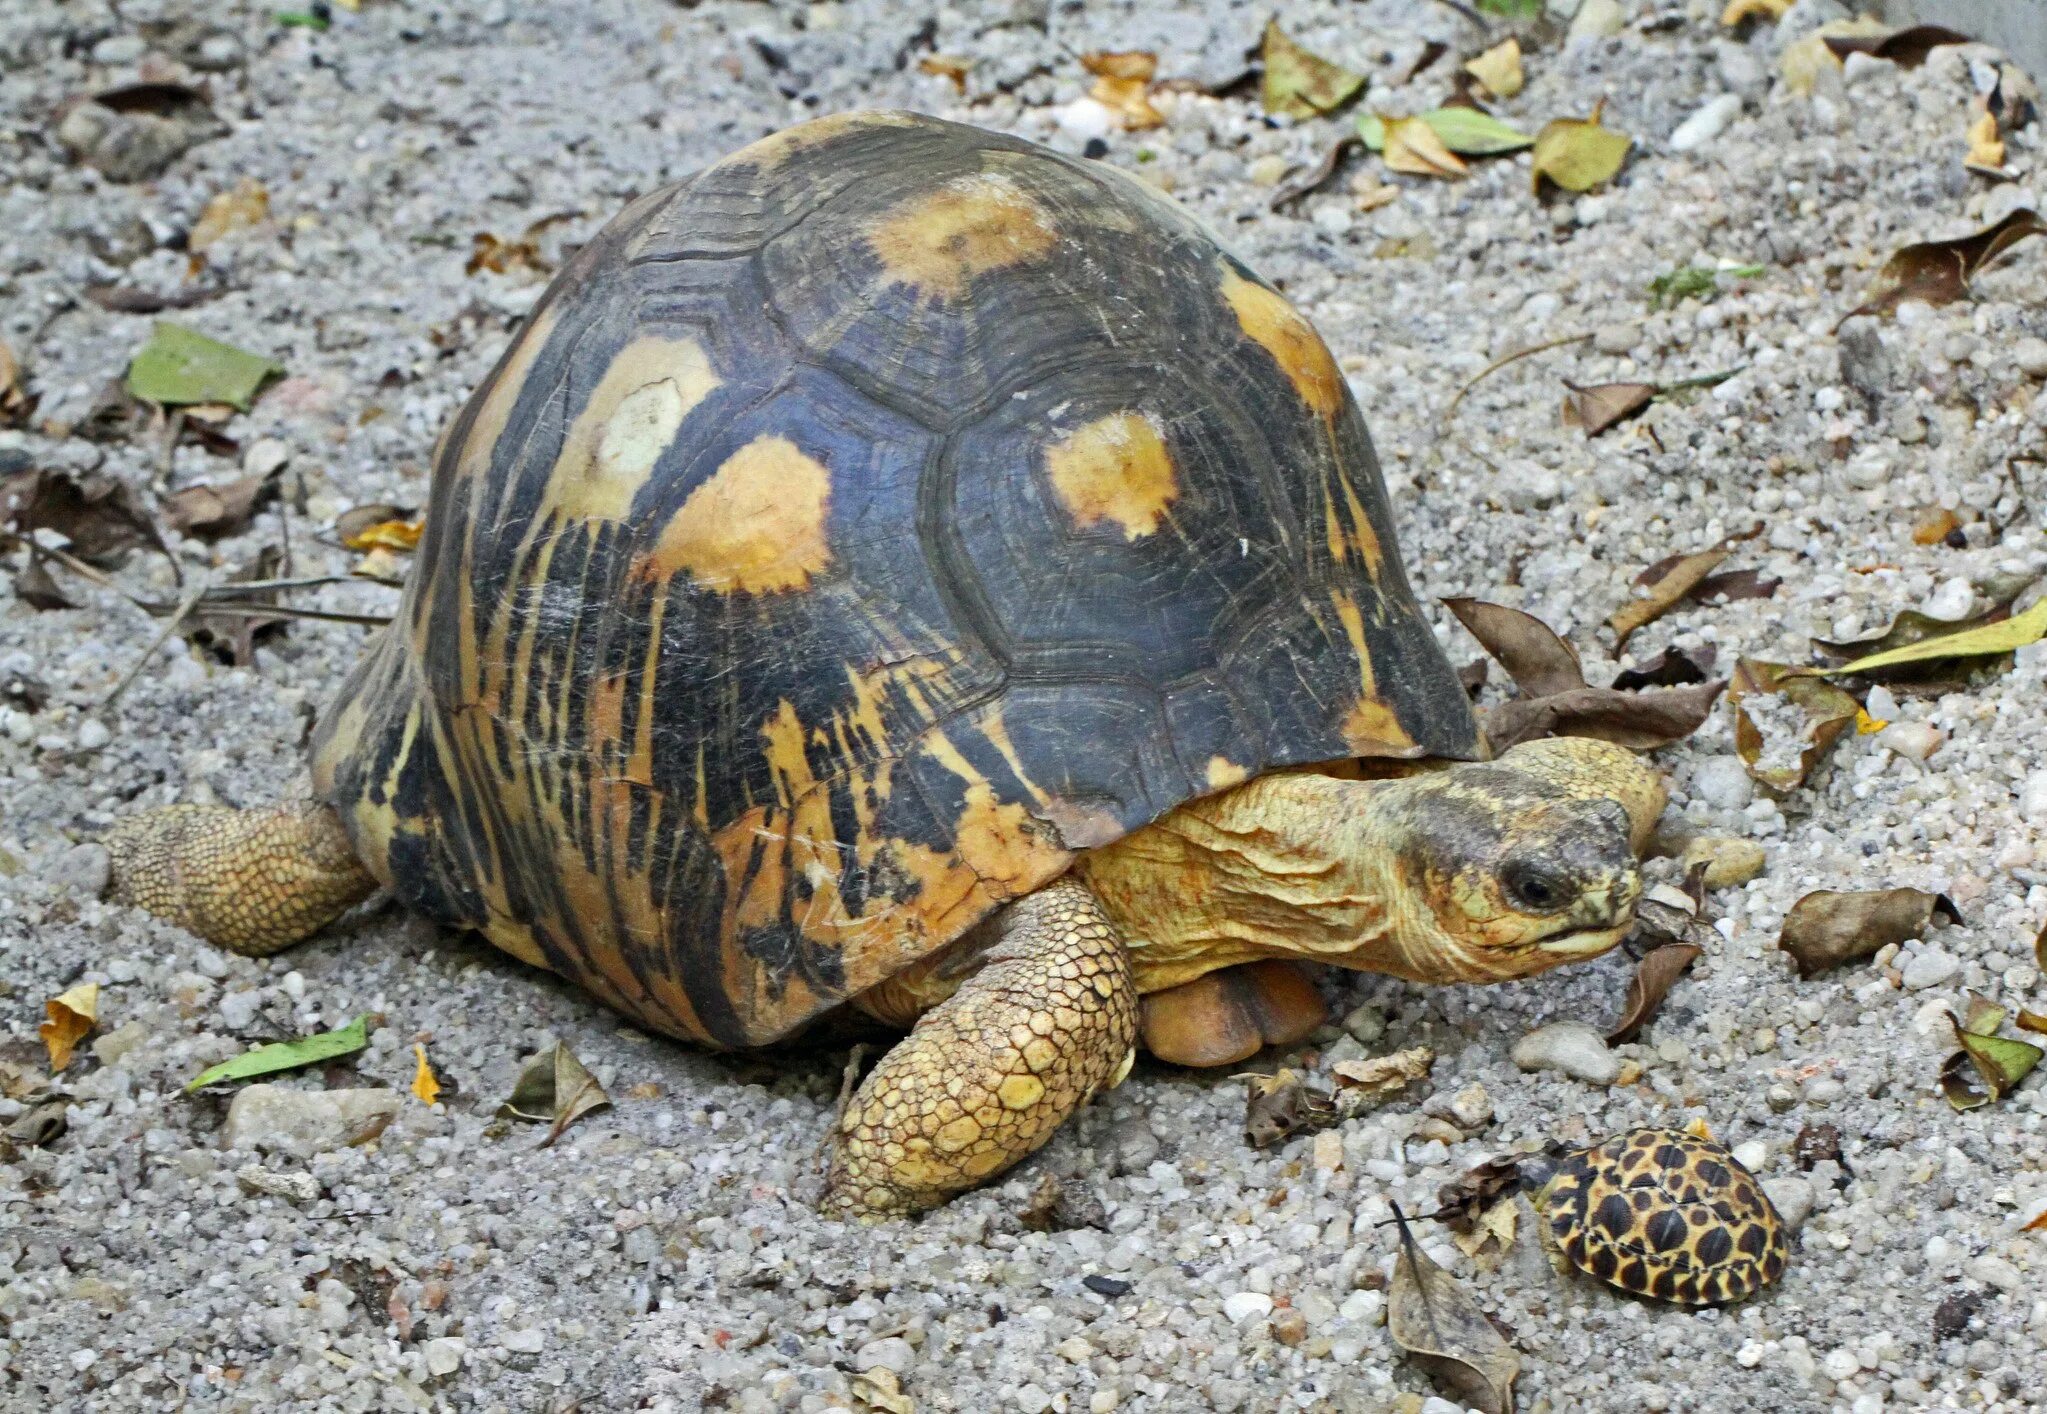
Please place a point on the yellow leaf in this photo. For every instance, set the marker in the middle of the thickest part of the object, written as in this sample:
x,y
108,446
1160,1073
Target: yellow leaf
x,y
387,535
1739,10
1699,1129
1412,146
72,1017
1866,725
248,204
424,1086
1578,154
1499,68
1123,85
1986,148
2014,632
1804,60
1300,85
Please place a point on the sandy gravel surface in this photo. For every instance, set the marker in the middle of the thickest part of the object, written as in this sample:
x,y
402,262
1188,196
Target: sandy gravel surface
x,y
666,1254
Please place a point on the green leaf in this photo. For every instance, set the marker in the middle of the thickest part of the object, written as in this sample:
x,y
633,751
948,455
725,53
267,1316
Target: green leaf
x,y
302,19
1301,85
179,366
1475,134
1512,9
2001,1062
287,1055
1372,128
2012,633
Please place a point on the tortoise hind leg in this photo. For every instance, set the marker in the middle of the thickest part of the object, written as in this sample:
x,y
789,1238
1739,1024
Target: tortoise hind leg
x,y
986,1075
252,881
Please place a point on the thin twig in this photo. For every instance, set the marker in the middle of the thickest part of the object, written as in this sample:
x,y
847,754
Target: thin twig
x,y
1499,363
211,610
177,620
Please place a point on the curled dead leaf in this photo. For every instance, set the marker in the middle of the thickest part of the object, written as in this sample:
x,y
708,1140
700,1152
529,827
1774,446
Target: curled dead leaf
x,y
1740,11
1673,667
1655,974
1491,1235
1829,927
99,516
70,1018
1499,68
212,512
556,1089
1985,153
1999,1063
1301,85
1785,720
245,205
1540,662
1283,1104
1907,48
1361,1084
951,67
1989,637
1940,272
1438,1325
354,525
880,1391
1670,582
1313,177
1461,1201
1597,407
1123,85
17,404
1640,721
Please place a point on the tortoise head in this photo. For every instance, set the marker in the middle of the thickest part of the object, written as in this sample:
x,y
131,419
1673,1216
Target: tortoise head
x,y
1508,868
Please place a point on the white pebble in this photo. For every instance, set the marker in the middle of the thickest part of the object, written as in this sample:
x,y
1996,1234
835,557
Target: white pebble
x,y
1596,19
1918,740
93,734
1085,118
1245,1305
1791,1196
1881,703
1930,967
1840,1364
1953,601
1571,1047
2033,799
2030,355
1752,1155
444,1355
1722,782
890,1353
265,455
1707,123
1362,1308
528,1341
1995,1271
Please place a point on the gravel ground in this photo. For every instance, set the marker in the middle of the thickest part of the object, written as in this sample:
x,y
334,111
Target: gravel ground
x,y
665,1254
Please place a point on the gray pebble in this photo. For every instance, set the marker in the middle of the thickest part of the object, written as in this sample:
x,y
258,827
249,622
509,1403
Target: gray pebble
x,y
1616,338
443,1355
1930,967
890,1353
1723,782
306,1122
83,869
1791,1196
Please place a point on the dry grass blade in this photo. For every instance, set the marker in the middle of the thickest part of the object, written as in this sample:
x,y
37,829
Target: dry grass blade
x,y
1438,1325
1655,975
1827,928
1940,272
1501,362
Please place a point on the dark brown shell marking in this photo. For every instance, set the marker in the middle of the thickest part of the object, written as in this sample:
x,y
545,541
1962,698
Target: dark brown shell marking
x,y
1665,1214
856,531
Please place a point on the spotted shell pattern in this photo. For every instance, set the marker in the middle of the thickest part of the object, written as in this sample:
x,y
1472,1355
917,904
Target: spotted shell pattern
x,y
1665,1214
855,532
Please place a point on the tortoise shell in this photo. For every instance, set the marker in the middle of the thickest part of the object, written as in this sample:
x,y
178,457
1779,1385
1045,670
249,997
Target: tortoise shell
x,y
1664,1214
854,532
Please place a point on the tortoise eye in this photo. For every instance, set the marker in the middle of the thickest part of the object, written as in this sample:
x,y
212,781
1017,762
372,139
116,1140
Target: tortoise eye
x,y
1533,887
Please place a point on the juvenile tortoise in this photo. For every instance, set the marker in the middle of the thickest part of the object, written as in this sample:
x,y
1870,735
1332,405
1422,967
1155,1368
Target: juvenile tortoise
x,y
1660,1213
891,527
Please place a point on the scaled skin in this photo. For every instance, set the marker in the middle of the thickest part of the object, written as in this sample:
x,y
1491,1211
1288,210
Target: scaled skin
x,y
1471,873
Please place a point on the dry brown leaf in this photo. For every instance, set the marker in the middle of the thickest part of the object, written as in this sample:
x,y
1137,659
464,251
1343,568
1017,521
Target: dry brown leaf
x,y
1990,640
36,587
947,66
1602,405
1061,1205
1933,526
1123,85
1908,630
1785,720
245,205
1464,1199
1437,1324
1491,1235
1673,667
1540,662
1301,85
502,257
71,1018
1499,68
1413,147
1907,48
1282,1104
554,1086
1827,928
99,515
215,512
1999,1062
1940,272
1640,721
1311,178
1655,974
1670,583
1361,1084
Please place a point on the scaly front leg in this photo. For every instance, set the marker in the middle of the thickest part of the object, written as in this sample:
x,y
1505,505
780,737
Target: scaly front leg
x,y
987,1075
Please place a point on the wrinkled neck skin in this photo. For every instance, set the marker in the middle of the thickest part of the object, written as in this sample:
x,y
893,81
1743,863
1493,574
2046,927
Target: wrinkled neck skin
x,y
1289,865
1392,876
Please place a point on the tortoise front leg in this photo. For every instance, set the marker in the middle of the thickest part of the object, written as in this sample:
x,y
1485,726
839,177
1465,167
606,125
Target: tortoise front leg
x,y
986,1075
252,881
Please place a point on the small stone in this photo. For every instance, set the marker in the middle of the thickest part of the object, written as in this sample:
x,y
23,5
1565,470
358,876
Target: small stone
x,y
1104,1400
1791,1196
1930,967
1086,118
1031,1399
1596,19
444,1355
1289,1327
109,1049
118,49
306,1122
1752,1155
1363,1308
1954,601
1246,1305
93,734
1917,740
1616,338
1708,122
1780,1098
1268,170
1571,1047
2033,798
265,455
1729,862
297,1187
891,1353
526,1341
1367,1023
1995,1271
1524,485
83,869
1824,1090
2030,354
1723,783
1840,1364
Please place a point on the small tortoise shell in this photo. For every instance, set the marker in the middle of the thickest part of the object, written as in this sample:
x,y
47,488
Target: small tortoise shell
x,y
1664,1214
